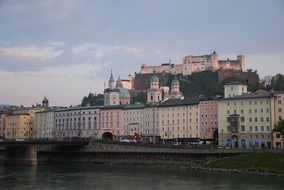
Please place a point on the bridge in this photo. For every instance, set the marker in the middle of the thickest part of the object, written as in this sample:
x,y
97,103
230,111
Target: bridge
x,y
25,152
86,150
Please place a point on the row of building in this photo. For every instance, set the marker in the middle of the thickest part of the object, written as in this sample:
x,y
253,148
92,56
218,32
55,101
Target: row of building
x,y
240,119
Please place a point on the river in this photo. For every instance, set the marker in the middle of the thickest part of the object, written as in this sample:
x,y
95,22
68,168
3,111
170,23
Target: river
x,y
92,176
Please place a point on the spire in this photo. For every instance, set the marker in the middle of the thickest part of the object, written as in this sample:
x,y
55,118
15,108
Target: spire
x,y
119,83
111,81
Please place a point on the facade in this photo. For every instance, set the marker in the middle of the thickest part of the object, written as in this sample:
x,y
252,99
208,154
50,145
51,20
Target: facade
x,y
208,119
198,63
179,118
246,120
234,89
133,119
29,111
18,126
111,118
151,122
77,122
193,64
279,106
2,120
44,124
128,83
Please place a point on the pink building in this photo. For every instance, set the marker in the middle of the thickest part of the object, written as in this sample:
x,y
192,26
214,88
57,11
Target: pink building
x,y
111,122
208,119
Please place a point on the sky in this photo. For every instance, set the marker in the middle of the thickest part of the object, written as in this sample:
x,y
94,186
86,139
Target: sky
x,y
64,49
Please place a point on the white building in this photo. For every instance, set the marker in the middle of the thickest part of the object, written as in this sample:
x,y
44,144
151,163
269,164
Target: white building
x,y
44,124
234,89
151,121
246,120
78,122
279,106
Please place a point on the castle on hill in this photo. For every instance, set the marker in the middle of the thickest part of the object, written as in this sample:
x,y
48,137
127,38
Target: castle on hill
x,y
197,63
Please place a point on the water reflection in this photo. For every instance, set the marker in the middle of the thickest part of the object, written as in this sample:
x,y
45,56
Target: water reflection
x,y
89,176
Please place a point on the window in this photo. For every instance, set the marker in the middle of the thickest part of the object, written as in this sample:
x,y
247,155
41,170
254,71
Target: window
x,y
250,128
261,110
262,119
249,110
267,119
262,128
256,128
229,129
243,128
242,119
250,119
255,119
279,110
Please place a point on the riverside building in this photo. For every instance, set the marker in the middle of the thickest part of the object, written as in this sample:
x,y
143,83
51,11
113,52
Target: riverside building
x,y
77,122
208,119
246,120
179,119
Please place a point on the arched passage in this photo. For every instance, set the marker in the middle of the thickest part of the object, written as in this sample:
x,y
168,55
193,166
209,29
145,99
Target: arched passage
x,y
107,136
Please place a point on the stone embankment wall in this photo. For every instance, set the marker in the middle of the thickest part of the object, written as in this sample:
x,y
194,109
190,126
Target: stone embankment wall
x,y
112,153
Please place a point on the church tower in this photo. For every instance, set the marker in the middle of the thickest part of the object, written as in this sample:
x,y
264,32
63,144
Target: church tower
x,y
111,94
45,102
175,91
154,94
111,81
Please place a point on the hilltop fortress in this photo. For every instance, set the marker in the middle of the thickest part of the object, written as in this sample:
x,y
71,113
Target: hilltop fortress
x,y
193,64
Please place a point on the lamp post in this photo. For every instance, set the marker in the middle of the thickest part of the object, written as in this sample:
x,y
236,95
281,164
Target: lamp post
x,y
222,137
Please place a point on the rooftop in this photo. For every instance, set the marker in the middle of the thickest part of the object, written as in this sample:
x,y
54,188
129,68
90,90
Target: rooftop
x,y
179,102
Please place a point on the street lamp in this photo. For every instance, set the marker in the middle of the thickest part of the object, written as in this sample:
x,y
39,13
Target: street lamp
x,y
222,137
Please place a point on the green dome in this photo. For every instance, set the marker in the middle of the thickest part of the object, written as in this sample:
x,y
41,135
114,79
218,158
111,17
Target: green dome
x,y
175,82
123,93
154,78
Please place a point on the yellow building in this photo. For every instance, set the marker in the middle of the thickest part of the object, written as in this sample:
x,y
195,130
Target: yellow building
x,y
18,126
179,118
246,120
30,111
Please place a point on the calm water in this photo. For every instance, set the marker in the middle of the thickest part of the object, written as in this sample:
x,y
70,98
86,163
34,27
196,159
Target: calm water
x,y
88,176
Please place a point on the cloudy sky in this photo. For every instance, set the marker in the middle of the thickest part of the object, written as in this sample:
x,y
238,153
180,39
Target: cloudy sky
x,y
65,49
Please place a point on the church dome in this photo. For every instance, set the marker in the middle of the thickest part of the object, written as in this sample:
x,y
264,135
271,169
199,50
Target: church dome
x,y
175,82
123,93
154,78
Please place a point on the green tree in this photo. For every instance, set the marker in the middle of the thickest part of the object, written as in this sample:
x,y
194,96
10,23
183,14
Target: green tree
x,y
93,100
280,127
277,82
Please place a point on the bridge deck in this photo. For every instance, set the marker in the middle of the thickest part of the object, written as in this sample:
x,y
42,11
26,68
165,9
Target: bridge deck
x,y
45,142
